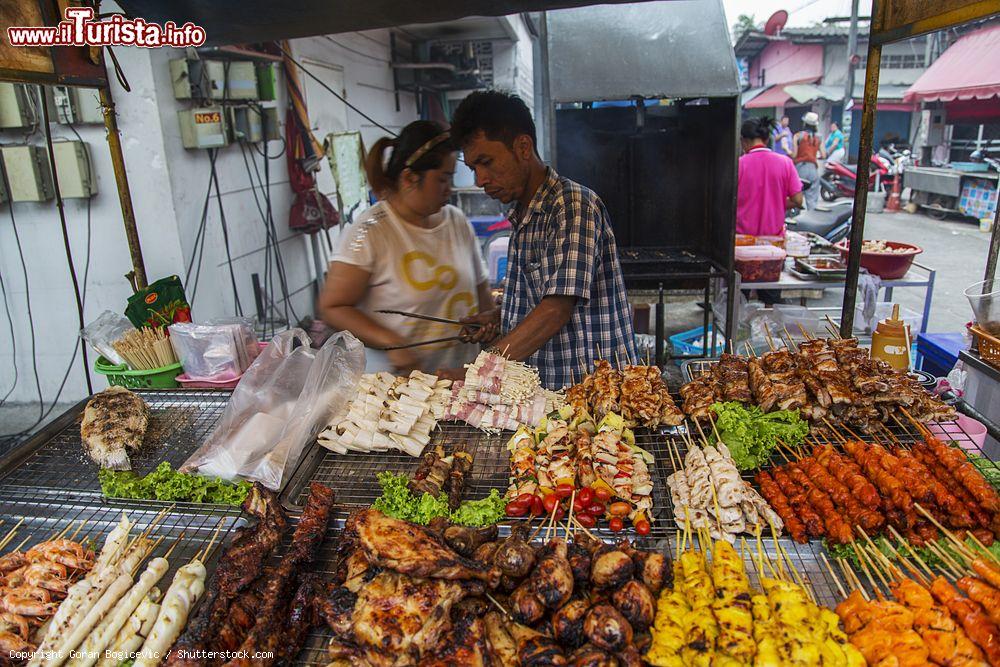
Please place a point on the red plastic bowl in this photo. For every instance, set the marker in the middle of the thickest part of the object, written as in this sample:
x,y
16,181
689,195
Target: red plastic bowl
x,y
885,265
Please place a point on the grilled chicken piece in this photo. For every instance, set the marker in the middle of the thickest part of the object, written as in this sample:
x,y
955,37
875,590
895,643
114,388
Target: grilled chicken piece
x,y
485,553
525,606
607,629
611,569
413,550
502,649
567,623
114,424
552,579
579,561
397,619
591,656
535,649
514,556
464,645
466,540
654,568
636,604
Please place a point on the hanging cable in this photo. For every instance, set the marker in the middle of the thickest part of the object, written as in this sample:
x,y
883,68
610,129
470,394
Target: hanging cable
x,y
65,234
225,238
333,92
13,340
27,301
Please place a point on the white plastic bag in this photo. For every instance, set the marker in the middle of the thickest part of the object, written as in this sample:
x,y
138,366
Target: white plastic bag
x,y
216,350
104,331
284,399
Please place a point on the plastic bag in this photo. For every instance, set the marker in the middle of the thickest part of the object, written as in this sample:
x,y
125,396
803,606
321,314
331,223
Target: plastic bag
x,y
218,351
284,399
105,330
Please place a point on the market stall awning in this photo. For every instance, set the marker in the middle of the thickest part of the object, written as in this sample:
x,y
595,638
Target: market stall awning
x,y
249,21
775,96
968,70
808,92
750,93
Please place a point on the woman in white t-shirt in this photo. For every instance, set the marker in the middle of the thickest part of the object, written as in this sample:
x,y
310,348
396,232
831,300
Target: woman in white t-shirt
x,y
411,251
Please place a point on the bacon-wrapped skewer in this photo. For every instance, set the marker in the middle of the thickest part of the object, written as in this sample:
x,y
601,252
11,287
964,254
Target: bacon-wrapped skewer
x,y
850,475
799,502
779,503
838,530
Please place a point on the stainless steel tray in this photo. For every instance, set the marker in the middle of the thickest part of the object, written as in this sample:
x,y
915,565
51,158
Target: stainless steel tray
x,y
53,461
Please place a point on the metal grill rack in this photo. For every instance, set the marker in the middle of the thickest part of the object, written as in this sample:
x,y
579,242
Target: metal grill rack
x,y
53,461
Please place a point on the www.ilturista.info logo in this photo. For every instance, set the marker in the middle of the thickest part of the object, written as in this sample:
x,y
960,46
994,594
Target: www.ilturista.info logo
x,y
80,29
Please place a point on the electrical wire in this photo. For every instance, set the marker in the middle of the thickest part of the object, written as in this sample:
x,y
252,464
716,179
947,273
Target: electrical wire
x,y
199,236
13,340
225,237
334,93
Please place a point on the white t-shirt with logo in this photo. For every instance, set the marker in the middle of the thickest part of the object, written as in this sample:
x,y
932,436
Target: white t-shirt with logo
x,y
432,271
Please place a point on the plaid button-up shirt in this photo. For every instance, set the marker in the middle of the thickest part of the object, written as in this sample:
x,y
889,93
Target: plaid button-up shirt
x,y
563,245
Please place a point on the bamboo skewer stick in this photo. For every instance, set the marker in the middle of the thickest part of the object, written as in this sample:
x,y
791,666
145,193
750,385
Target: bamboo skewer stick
x,y
10,534
499,606
833,575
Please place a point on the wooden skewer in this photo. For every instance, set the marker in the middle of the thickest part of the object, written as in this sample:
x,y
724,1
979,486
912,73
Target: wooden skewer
x,y
215,536
992,556
77,531
909,547
805,334
833,575
499,606
864,568
767,337
583,528
572,498
64,531
833,326
951,536
791,341
871,561
10,534
947,563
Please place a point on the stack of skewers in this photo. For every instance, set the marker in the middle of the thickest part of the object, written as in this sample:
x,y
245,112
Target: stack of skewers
x,y
146,349
826,380
637,393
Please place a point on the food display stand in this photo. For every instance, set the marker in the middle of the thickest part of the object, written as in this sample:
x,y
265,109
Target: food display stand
x,y
48,490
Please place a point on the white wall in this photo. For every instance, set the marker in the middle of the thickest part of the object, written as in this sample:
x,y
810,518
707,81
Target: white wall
x,y
169,185
513,63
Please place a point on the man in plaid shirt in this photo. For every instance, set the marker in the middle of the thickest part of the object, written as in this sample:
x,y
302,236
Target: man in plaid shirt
x,y
564,304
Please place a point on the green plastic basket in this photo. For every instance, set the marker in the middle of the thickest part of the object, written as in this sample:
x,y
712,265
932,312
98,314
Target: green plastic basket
x,y
121,376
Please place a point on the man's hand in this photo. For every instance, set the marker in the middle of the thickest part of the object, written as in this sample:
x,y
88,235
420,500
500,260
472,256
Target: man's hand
x,y
450,373
403,361
487,332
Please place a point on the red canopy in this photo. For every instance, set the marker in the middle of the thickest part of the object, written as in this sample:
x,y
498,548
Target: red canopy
x,y
969,69
775,97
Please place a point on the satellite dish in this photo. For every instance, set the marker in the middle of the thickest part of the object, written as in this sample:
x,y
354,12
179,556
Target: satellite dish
x,y
776,22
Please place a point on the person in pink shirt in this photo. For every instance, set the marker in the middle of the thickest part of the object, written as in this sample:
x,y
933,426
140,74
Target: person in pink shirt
x,y
768,184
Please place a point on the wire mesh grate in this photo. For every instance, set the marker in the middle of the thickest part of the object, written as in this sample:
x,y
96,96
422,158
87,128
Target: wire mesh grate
x,y
54,460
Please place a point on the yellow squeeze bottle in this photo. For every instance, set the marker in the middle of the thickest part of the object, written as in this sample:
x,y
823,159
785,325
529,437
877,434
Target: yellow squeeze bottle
x,y
891,341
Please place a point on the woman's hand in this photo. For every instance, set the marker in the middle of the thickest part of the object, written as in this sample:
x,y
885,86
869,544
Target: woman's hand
x,y
403,361
488,330
450,373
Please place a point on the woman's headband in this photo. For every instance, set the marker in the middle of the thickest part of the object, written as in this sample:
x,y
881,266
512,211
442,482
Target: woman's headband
x,y
426,148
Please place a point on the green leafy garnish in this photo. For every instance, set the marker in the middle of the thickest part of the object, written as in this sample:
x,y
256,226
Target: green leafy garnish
x,y
988,468
893,549
751,435
165,483
399,502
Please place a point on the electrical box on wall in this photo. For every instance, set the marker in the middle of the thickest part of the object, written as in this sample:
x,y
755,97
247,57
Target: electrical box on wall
x,y
76,180
16,109
4,198
28,173
245,124
241,80
203,127
267,82
271,122
196,79
76,105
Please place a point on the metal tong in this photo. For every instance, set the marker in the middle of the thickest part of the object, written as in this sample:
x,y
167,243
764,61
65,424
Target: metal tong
x,y
431,319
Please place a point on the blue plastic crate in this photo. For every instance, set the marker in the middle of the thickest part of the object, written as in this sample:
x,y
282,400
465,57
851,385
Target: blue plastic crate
x,y
690,342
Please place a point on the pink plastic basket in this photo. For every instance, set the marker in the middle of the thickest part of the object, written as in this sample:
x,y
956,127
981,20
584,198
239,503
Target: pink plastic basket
x,y
209,383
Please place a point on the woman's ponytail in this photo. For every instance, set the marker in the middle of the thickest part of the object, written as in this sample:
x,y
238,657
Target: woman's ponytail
x,y
375,163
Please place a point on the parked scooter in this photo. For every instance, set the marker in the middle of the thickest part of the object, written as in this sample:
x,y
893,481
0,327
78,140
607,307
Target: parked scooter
x,y
979,156
829,221
839,179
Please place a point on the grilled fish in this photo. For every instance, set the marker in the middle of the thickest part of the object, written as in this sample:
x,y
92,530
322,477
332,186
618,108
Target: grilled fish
x,y
114,423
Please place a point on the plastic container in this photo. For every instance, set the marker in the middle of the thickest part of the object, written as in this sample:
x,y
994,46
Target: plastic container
x,y
746,239
797,245
776,241
759,263
690,342
496,259
963,426
891,341
984,297
792,317
883,309
938,353
119,375
885,265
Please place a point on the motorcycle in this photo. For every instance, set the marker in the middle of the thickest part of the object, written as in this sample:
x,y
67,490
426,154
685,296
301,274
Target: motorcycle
x,y
832,222
839,179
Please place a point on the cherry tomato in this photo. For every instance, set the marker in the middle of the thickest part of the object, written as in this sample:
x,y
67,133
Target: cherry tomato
x,y
586,495
616,524
602,494
525,498
642,527
586,520
619,508
550,502
579,505
596,509
564,490
560,513
516,508
537,507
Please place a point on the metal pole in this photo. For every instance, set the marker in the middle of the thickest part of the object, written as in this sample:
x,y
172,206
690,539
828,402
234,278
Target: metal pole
x,y
991,256
852,47
121,179
547,110
861,187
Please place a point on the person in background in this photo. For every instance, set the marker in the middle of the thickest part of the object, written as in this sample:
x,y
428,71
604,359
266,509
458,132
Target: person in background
x,y
834,144
767,184
807,150
411,251
781,138
565,303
